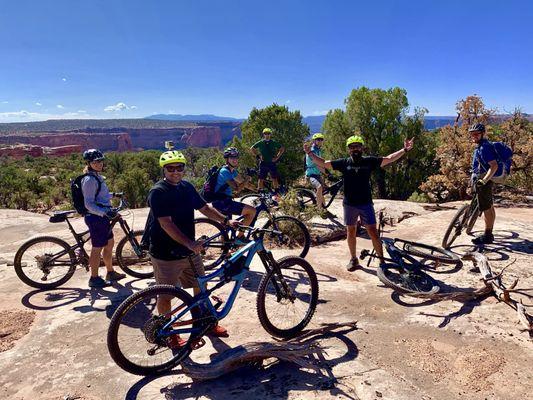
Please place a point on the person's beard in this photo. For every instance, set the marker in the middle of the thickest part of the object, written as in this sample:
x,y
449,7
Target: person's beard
x,y
356,155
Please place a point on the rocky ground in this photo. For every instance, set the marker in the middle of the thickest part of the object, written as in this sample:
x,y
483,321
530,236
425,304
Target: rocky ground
x,y
53,343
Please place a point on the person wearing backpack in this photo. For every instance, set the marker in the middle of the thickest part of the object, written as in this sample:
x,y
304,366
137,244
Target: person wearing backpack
x,y
98,216
484,167
228,181
174,252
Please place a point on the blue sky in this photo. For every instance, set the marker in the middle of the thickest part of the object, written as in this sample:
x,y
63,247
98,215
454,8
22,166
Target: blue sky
x,y
121,59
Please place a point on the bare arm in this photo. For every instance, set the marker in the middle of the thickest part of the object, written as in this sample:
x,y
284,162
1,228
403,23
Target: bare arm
x,y
212,213
175,233
241,183
319,161
407,145
280,153
490,173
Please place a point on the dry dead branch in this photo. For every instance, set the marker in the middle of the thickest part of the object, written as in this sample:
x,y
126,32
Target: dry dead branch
x,y
300,351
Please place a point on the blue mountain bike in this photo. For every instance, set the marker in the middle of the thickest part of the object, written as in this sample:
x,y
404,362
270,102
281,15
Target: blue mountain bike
x,y
140,338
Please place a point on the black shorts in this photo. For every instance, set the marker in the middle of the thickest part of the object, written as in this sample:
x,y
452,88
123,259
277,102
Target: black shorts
x,y
229,207
99,229
484,196
268,167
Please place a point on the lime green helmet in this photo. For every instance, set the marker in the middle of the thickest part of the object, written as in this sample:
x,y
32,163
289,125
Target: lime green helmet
x,y
170,157
267,130
318,136
354,139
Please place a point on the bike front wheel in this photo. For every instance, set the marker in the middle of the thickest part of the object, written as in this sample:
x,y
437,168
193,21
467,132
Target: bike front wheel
x,y
45,262
405,280
137,264
456,226
251,199
287,297
305,197
293,240
428,252
137,340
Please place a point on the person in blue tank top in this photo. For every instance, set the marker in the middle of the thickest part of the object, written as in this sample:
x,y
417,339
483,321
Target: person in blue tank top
x,y
313,172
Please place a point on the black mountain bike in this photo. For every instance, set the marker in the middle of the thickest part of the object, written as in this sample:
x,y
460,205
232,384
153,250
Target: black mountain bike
x,y
291,236
307,197
404,270
46,262
464,219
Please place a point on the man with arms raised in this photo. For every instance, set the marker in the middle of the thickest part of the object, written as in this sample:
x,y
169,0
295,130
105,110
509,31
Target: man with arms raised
x,y
356,170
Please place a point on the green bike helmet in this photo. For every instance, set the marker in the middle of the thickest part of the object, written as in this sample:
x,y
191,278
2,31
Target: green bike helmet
x,y
170,157
354,139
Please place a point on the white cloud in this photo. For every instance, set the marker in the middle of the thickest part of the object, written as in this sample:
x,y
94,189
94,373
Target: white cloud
x,y
288,102
60,106
120,106
82,111
38,104
64,79
320,112
5,102
25,116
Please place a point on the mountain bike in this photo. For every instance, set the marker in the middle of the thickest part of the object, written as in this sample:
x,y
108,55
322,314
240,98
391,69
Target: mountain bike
x,y
291,235
307,197
464,219
46,262
404,271
138,338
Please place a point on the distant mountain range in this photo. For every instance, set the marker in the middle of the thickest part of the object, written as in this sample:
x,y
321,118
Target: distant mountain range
x,y
192,118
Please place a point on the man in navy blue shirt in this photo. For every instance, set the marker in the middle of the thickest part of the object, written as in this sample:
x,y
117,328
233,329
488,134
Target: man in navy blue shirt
x,y
484,166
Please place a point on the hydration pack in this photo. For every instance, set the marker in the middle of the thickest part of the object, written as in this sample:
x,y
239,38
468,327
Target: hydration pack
x,y
76,192
504,158
208,191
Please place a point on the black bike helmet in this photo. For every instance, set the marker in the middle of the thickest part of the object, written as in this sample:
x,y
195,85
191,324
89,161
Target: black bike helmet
x,y
231,152
477,127
93,155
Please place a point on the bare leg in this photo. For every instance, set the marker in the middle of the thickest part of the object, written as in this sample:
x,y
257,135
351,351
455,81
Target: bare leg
x,y
490,217
351,238
376,241
249,213
260,184
94,261
275,183
108,255
320,196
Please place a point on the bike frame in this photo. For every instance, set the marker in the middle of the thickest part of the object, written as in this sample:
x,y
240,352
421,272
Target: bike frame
x,y
202,300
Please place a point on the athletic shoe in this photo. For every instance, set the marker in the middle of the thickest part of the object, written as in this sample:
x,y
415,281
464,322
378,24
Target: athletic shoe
x,y
176,342
486,238
114,276
218,331
98,282
353,264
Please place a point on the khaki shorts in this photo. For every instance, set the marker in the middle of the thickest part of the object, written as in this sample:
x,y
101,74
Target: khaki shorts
x,y
178,272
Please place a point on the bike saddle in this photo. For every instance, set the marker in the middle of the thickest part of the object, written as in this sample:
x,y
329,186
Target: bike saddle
x,y
60,216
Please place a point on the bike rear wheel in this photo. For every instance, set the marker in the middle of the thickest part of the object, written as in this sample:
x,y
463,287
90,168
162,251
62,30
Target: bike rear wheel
x,y
405,280
287,297
139,266
456,226
294,239
45,262
252,199
136,339
216,250
428,252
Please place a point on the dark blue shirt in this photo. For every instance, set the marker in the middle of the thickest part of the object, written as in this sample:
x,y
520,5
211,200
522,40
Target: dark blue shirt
x,y
483,154
178,202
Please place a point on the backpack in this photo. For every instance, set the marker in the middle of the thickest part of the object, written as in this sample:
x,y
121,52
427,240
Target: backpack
x,y
504,158
77,193
208,189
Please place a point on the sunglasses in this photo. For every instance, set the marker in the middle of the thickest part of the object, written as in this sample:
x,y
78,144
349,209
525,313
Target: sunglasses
x,y
319,140
355,146
177,168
